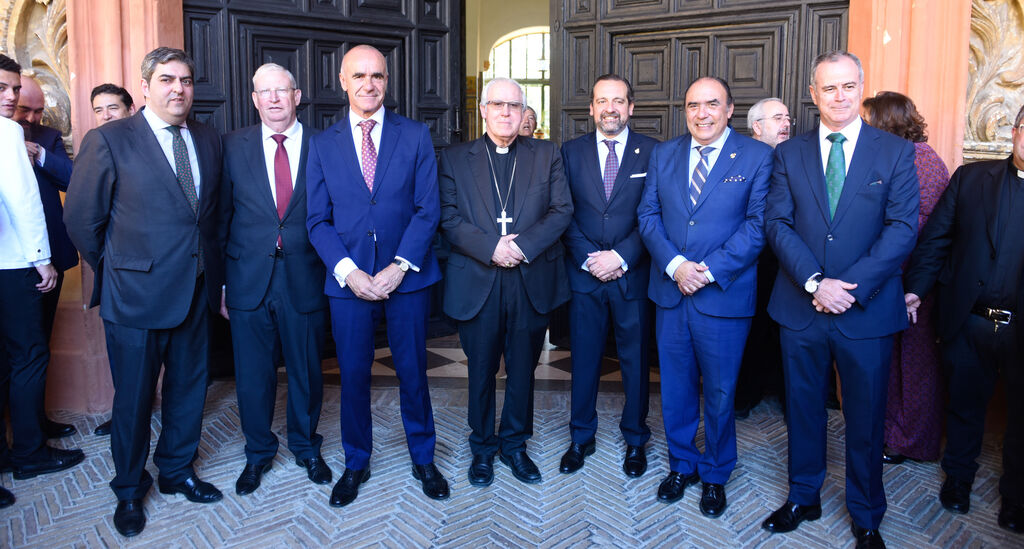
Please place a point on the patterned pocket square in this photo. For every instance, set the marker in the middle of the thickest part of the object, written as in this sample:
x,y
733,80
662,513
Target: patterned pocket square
x,y
734,179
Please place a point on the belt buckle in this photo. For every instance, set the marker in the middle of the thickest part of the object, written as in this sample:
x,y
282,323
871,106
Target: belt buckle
x,y
999,318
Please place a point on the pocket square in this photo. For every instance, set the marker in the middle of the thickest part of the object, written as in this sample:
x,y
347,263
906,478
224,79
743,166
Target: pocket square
x,y
734,179
637,175
876,182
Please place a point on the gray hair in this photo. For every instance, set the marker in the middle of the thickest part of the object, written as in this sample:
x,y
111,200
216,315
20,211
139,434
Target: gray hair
x,y
487,89
271,67
756,111
832,57
1020,116
163,55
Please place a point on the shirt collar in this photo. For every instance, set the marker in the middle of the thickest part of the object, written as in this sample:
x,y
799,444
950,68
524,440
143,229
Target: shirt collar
x,y
157,123
354,120
621,138
291,133
717,144
850,132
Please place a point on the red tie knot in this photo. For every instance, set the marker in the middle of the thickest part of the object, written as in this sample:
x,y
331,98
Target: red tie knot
x,y
279,137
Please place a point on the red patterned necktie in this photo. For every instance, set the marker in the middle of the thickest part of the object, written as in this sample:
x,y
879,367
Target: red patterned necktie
x,y
611,168
369,153
282,178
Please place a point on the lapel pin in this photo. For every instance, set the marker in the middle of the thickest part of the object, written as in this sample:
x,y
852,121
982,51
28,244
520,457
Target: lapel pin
x,y
636,150
733,155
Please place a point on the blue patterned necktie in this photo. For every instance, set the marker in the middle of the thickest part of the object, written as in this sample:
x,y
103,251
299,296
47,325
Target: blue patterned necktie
x,y
700,174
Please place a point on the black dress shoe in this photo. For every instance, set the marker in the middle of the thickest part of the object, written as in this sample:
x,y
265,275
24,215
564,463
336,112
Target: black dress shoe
x,y
194,490
347,488
434,484
712,500
522,467
867,539
249,480
53,429
789,516
7,499
572,459
955,495
674,486
129,519
635,462
54,459
892,458
317,469
481,472
103,429
1011,517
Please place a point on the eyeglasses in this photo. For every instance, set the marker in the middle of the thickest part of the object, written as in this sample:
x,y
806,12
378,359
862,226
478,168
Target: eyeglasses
x,y
501,105
265,94
778,118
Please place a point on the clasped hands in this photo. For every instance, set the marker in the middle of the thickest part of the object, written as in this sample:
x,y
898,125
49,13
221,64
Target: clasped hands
x,y
833,296
690,277
604,265
913,302
33,152
505,254
377,288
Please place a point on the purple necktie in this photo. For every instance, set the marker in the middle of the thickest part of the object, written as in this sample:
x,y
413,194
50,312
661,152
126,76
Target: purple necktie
x,y
611,168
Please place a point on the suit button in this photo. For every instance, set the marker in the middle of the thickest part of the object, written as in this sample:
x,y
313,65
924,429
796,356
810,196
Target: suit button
x,y
280,227
373,202
606,216
692,223
981,283
369,233
829,238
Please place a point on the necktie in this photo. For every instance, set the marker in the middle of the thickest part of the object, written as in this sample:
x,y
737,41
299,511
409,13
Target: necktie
x,y
369,153
183,169
611,168
835,171
282,178
700,174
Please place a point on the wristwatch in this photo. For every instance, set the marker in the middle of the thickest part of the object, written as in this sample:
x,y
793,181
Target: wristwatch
x,y
403,265
812,283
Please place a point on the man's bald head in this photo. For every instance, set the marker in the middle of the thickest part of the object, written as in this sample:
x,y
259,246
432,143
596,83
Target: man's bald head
x,y
364,77
31,103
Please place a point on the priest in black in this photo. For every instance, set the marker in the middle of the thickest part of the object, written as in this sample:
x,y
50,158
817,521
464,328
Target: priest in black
x,y
504,206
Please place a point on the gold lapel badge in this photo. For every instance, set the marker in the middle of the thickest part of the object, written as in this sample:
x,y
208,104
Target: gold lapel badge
x,y
636,150
733,155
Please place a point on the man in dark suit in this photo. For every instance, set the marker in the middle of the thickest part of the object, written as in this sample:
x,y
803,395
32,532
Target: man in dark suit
x,y
143,210
841,217
971,248
52,168
372,218
275,279
504,206
608,270
702,219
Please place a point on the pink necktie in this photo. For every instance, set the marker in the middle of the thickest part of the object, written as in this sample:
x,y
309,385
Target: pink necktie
x,y
369,153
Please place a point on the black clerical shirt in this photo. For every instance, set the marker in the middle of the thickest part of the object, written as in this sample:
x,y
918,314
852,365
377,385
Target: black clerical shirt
x,y
500,166
1001,290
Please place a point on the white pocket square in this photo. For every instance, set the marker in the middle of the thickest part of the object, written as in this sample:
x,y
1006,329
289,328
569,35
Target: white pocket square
x,y
636,175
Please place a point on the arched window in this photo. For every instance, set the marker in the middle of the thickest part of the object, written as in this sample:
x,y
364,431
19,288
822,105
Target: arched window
x,y
523,55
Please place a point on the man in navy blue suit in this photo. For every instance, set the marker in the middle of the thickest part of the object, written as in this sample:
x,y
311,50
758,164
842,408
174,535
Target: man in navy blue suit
x,y
608,270
275,280
702,219
842,217
373,210
52,167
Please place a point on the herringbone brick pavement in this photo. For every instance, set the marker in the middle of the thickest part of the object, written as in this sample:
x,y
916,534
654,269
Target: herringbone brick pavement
x,y
596,507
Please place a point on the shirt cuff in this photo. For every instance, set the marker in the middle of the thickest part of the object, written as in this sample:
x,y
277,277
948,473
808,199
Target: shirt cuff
x,y
584,266
707,273
673,265
625,266
411,266
40,263
343,269
516,248
42,157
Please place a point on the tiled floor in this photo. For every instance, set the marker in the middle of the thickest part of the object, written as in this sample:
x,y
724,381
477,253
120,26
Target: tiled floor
x,y
596,507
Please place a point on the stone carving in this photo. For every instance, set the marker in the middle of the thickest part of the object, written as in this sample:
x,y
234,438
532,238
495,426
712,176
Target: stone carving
x,y
35,34
995,89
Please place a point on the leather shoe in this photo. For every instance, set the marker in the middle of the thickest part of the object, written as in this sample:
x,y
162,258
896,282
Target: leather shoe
x,y
55,459
892,458
7,499
1011,517
573,458
53,429
317,469
522,467
635,462
674,486
249,480
712,500
194,490
789,516
481,472
867,539
103,429
129,519
434,484
347,488
955,495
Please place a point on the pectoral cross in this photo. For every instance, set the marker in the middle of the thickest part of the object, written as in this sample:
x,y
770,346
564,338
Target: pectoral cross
x,y
504,220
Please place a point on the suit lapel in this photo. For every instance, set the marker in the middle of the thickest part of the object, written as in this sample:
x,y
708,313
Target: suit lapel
x,y
258,166
477,159
389,134
810,154
299,191
630,152
990,196
726,158
592,165
523,176
150,147
857,176
349,159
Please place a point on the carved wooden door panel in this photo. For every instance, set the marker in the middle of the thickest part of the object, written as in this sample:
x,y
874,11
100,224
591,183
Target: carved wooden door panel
x,y
761,48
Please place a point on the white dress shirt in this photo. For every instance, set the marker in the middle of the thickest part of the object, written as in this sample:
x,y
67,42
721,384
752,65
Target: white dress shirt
x,y
24,242
694,158
166,140
851,132
292,145
602,158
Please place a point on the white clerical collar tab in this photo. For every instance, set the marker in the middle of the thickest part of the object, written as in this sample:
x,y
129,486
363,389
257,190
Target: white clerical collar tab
x,y
1020,174
501,150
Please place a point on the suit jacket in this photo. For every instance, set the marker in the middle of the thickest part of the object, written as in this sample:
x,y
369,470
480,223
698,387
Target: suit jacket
x,y
399,218
53,177
957,247
725,229
127,214
542,210
600,223
253,227
872,232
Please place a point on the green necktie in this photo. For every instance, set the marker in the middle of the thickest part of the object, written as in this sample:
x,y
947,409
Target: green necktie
x,y
183,169
835,171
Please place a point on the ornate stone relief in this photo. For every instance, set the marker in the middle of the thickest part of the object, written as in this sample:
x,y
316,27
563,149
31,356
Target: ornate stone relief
x,y
35,34
995,89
